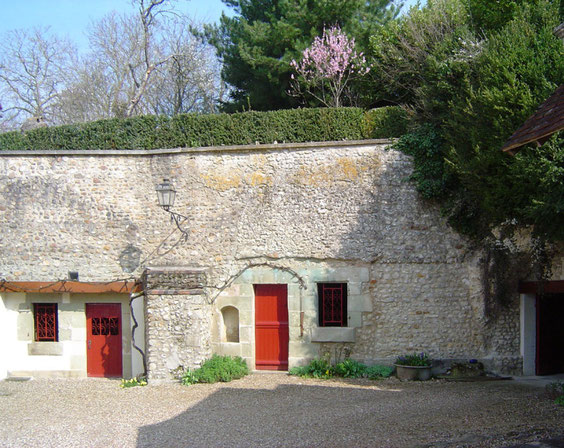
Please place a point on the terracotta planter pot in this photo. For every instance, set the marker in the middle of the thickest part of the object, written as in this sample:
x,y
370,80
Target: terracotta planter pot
x,y
413,373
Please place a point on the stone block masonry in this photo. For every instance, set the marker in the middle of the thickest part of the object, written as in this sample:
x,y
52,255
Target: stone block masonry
x,y
178,319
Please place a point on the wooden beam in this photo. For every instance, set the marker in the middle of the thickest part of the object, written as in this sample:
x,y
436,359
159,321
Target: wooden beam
x,y
554,286
119,287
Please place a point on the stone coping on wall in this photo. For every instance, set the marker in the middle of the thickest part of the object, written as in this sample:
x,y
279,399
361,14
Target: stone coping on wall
x,y
202,149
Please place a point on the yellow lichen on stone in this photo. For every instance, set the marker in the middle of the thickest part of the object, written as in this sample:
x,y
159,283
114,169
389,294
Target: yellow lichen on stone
x,y
348,168
257,178
316,176
222,182
344,169
259,160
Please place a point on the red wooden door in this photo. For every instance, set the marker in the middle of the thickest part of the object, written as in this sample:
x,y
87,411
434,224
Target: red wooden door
x,y
103,343
271,327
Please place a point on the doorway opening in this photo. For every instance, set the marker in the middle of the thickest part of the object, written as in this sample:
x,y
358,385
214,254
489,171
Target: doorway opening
x,y
550,334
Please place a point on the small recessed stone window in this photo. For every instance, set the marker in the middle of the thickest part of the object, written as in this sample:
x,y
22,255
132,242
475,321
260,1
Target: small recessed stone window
x,y
230,316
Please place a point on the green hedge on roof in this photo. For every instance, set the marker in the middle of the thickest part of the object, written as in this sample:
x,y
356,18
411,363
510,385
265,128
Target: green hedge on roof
x,y
194,130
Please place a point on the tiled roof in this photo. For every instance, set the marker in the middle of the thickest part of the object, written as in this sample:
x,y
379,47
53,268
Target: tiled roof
x,y
548,119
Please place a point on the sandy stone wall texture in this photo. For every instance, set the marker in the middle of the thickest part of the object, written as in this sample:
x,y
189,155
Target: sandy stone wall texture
x,y
178,321
322,211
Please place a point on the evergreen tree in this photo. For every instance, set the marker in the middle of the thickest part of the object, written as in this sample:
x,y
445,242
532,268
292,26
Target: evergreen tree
x,y
469,93
259,42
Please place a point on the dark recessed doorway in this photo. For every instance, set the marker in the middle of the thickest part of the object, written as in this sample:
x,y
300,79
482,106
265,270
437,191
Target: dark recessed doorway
x,y
550,334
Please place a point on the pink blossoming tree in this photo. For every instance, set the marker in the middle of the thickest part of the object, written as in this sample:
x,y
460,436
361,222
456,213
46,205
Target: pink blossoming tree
x,y
327,67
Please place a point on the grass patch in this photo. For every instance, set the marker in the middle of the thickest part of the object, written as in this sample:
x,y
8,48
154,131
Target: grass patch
x,y
555,390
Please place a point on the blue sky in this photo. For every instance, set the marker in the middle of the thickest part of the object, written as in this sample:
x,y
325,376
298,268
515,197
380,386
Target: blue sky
x,y
70,18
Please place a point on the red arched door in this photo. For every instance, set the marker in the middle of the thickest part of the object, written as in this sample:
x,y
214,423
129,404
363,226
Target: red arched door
x,y
103,339
271,327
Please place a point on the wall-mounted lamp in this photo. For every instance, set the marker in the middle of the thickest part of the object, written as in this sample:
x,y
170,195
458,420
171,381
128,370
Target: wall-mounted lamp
x,y
166,195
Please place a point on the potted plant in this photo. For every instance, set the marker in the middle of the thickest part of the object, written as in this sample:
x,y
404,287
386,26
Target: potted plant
x,y
416,366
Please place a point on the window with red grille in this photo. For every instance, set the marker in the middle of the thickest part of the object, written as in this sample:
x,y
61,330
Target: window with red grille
x,y
332,304
46,325
104,326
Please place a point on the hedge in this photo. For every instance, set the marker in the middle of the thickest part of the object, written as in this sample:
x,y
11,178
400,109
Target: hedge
x,y
193,130
386,122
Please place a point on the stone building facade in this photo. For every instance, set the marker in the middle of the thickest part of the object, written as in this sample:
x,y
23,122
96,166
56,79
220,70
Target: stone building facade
x,y
296,217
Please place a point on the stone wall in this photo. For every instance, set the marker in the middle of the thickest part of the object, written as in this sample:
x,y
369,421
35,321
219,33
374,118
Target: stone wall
x,y
178,319
324,211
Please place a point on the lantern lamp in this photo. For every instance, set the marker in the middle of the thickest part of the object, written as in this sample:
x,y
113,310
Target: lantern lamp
x,y
166,195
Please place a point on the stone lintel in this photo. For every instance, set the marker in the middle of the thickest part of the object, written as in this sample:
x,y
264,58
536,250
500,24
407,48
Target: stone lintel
x,y
165,269
175,280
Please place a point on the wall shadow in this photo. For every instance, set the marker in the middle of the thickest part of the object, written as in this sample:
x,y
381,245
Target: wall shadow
x,y
288,415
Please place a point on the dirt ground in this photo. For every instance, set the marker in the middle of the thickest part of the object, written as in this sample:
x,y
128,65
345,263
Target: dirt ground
x,y
275,410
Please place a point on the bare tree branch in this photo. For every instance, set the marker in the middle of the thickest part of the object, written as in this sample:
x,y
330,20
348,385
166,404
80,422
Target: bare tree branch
x,y
141,63
34,66
147,14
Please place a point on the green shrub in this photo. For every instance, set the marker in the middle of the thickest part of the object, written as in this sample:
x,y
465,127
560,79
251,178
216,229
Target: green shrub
x,y
189,377
317,368
189,130
560,400
349,368
425,145
473,90
377,372
320,368
386,122
299,371
217,368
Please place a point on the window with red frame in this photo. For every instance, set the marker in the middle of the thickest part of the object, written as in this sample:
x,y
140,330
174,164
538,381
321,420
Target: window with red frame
x,y
332,304
46,322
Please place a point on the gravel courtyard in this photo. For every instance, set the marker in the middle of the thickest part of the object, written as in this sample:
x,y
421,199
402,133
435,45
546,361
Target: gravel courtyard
x,y
275,410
